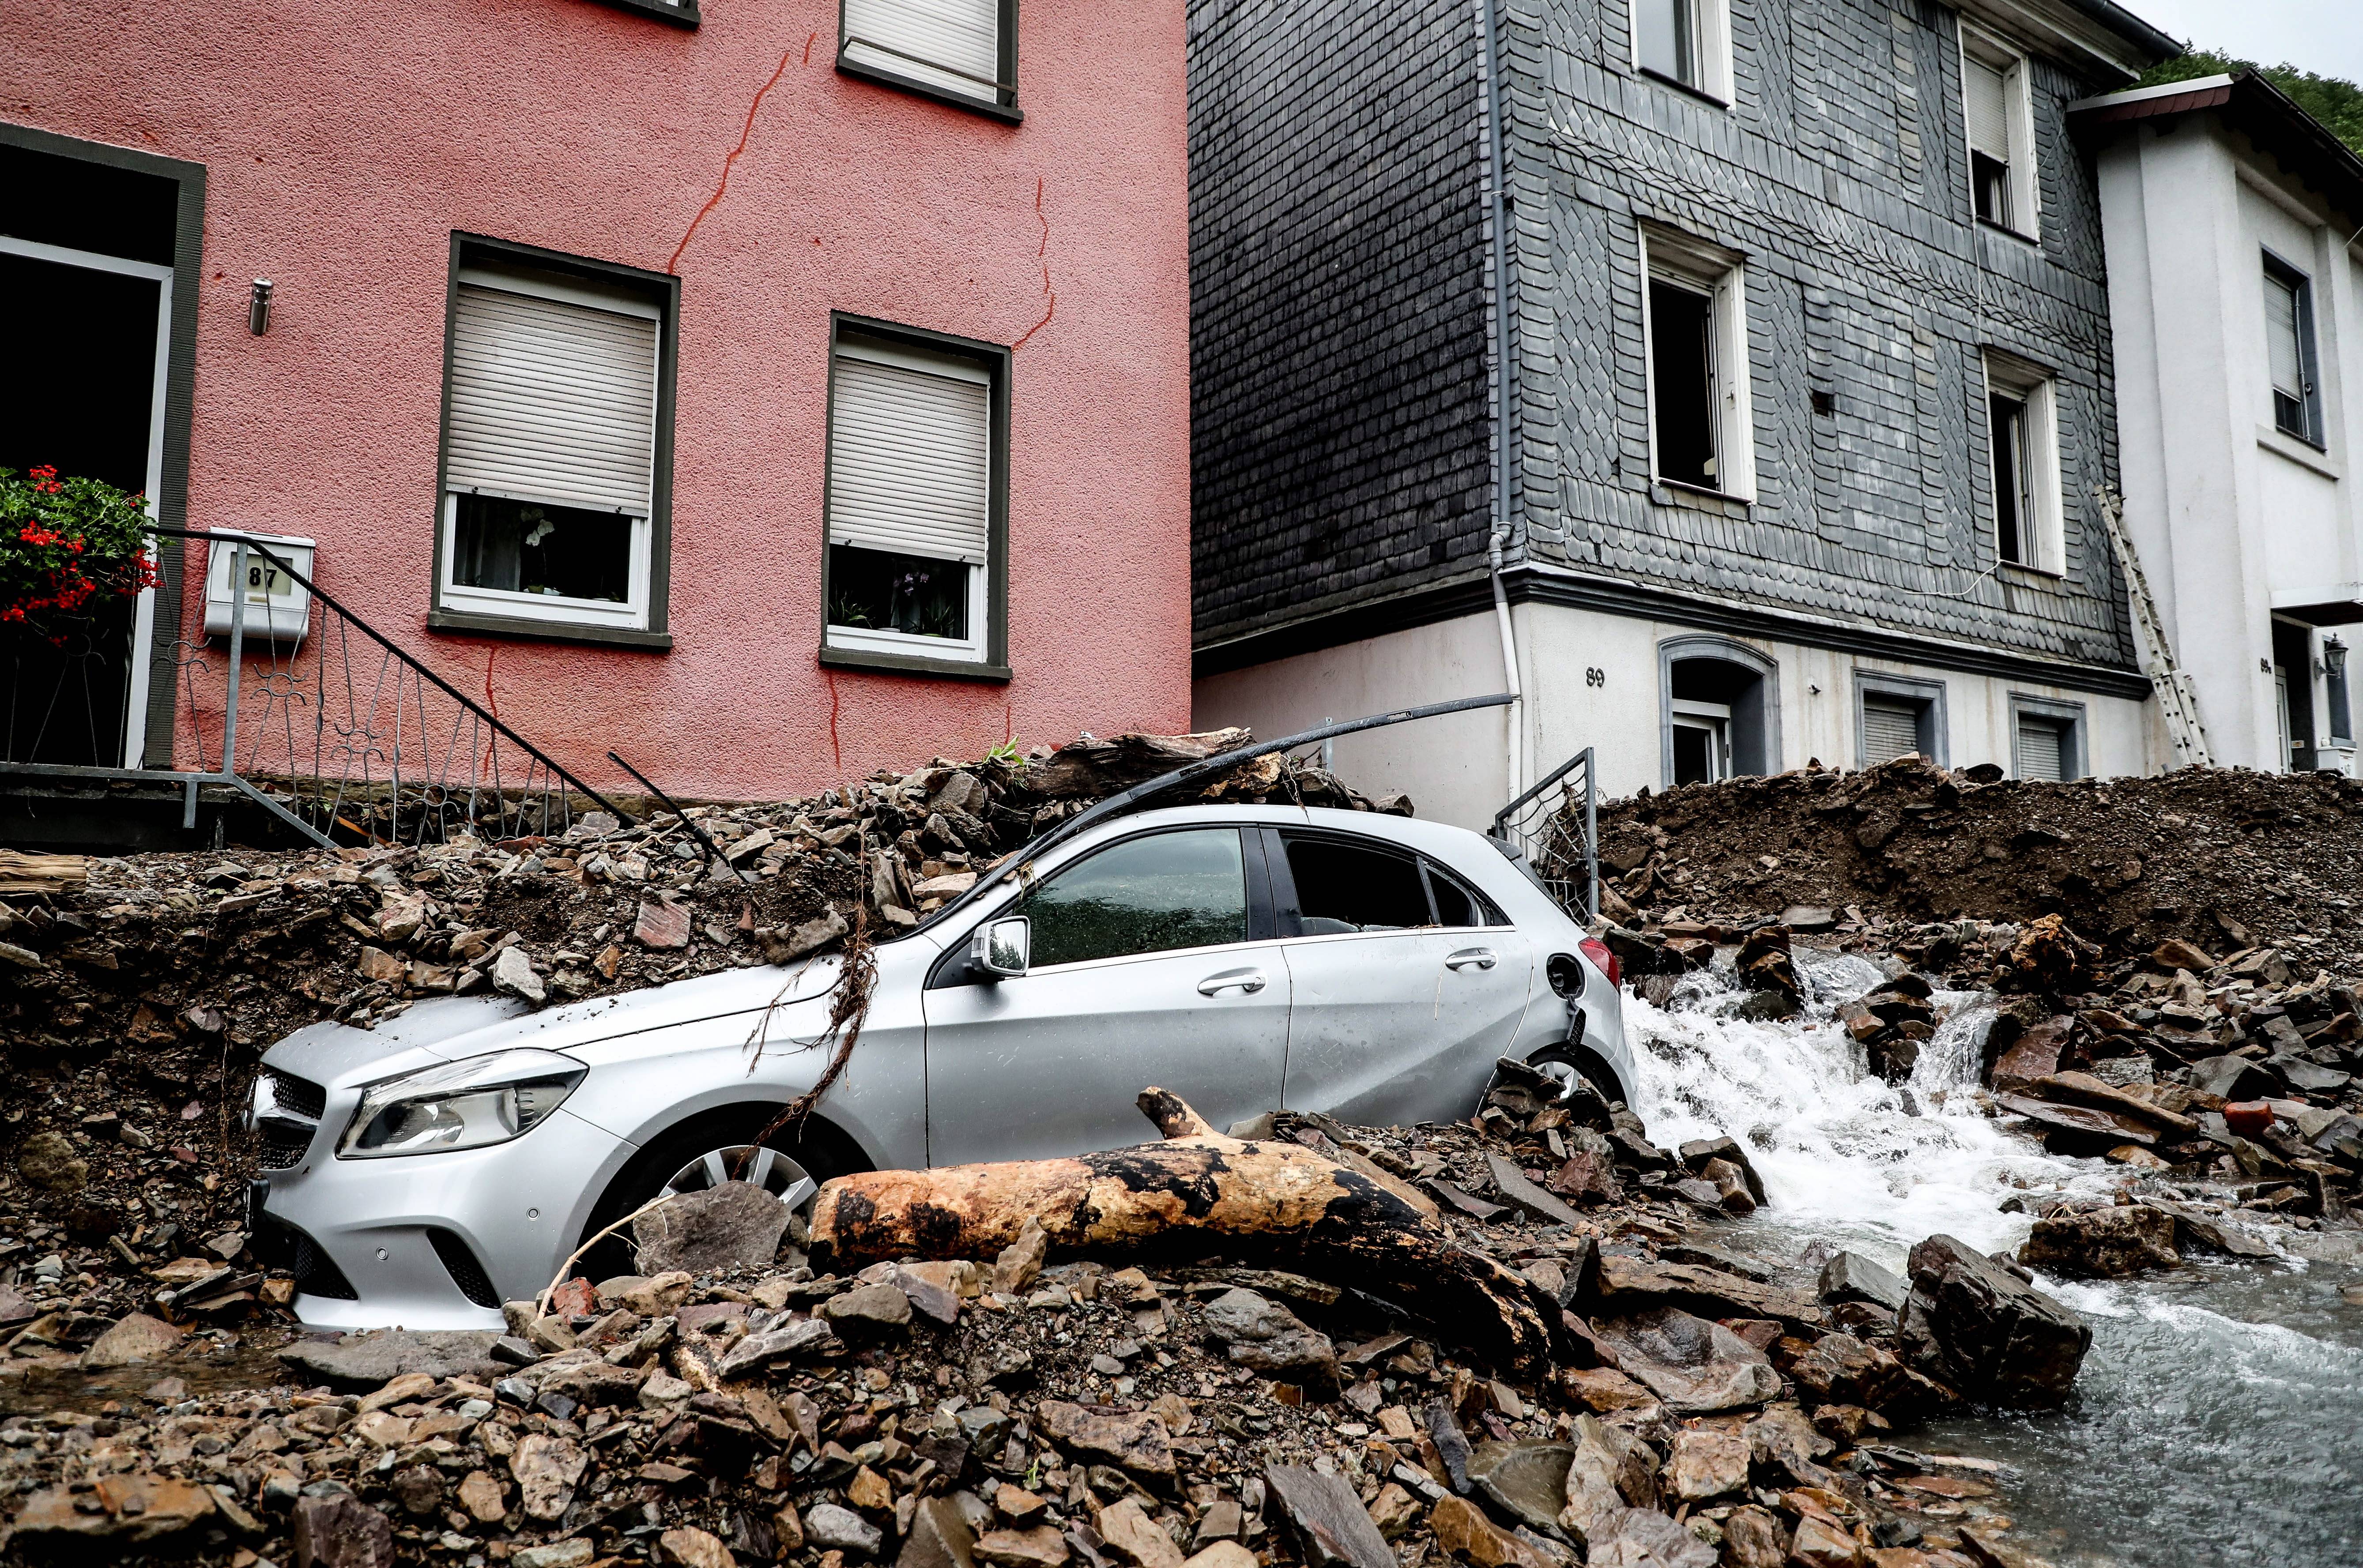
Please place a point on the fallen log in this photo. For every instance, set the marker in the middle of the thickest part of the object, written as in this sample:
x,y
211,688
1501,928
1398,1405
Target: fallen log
x,y
1264,1203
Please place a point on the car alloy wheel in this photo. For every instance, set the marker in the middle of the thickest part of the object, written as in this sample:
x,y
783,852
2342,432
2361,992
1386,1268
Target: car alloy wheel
x,y
755,1164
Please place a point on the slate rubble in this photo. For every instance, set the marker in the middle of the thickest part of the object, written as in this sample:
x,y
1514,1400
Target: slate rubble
x,y
1071,1414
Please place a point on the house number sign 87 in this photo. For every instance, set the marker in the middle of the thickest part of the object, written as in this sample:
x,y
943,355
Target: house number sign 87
x,y
1595,677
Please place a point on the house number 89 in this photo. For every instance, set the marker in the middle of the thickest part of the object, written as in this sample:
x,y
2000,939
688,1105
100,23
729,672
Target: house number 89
x,y
1595,677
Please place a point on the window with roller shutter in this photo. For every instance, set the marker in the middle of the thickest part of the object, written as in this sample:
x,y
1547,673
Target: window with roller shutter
x,y
1998,121
2290,350
917,459
2039,749
961,52
2046,738
1890,729
1896,715
556,447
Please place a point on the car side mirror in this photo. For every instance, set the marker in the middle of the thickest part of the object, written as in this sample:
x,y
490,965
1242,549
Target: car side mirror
x,y
1001,949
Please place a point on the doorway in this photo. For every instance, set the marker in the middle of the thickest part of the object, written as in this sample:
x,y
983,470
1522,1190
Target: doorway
x,y
2293,693
85,266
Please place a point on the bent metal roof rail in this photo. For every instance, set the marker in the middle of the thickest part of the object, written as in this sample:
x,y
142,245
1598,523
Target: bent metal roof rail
x,y
1191,773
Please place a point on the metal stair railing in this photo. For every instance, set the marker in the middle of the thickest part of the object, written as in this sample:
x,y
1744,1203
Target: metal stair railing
x,y
345,734
1543,827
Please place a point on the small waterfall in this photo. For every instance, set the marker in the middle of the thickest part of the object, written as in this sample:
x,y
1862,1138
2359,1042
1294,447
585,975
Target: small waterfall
x,y
2213,1423
1843,1155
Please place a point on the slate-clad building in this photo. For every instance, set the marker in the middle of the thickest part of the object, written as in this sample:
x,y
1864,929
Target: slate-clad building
x,y
1808,388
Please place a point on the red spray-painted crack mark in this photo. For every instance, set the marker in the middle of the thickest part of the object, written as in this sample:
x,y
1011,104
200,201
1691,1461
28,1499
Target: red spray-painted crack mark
x,y
1043,252
732,157
836,751
492,702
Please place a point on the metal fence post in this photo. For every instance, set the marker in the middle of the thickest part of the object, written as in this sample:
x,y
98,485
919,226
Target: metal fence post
x,y
237,654
1591,831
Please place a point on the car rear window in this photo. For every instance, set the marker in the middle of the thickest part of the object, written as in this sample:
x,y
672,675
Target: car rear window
x,y
1346,887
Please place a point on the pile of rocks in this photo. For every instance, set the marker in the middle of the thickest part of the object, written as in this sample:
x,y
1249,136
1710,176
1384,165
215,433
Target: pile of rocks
x,y
2223,858
1028,1412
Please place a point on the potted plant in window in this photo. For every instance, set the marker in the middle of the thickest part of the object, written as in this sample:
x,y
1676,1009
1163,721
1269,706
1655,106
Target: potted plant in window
x,y
69,549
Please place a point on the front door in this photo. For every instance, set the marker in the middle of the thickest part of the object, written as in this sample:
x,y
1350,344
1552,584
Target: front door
x,y
1153,963
85,395
1406,984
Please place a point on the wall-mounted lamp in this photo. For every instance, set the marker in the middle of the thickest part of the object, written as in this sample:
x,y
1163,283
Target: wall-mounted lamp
x,y
2334,657
257,308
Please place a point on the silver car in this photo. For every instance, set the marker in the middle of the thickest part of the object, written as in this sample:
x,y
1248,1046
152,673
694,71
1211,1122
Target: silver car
x,y
1248,957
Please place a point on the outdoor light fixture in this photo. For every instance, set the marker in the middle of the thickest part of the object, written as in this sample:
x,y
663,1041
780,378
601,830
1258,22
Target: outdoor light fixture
x,y
2333,657
257,308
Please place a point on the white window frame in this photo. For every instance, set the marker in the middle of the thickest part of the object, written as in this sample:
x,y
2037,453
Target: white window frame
x,y
879,58
1710,47
976,648
2024,217
1714,718
2043,546
633,614
1687,261
2278,269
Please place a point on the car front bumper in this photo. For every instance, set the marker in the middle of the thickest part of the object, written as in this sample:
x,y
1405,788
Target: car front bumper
x,y
407,1242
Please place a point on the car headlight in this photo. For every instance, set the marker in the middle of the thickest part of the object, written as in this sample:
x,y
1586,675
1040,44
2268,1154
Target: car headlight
x,y
459,1105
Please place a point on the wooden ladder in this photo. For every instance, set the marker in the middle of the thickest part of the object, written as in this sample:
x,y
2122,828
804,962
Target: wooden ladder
x,y
2177,697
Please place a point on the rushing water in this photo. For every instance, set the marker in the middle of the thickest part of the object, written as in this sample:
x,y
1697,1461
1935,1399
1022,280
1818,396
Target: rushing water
x,y
2218,1420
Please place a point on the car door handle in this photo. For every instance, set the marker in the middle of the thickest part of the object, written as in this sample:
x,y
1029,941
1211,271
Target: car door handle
x,y
1480,956
1245,981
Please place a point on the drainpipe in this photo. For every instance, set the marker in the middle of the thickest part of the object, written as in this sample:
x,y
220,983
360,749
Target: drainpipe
x,y
1503,400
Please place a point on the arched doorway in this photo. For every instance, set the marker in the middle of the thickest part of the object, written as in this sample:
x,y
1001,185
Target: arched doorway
x,y
1719,712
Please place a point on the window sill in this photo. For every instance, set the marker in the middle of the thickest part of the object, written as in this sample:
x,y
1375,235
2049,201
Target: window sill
x,y
527,628
1007,113
1698,498
912,664
2008,232
681,16
2297,449
1679,85
2030,576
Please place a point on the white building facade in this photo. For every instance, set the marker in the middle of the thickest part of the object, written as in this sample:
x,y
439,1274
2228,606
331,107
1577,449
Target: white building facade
x,y
2231,220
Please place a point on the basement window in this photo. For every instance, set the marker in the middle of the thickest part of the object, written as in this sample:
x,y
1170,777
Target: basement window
x,y
917,467
962,52
1896,715
2046,738
1695,320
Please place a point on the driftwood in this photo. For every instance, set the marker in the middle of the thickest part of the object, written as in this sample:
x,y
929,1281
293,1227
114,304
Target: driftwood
x,y
26,873
1261,1203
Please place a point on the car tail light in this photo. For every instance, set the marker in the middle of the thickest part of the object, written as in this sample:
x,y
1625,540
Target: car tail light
x,y
1592,947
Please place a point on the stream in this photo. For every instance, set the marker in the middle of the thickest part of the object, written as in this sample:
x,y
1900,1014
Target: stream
x,y
2218,1419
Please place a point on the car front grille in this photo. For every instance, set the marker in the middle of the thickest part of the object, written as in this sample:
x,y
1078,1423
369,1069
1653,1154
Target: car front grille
x,y
280,1144
465,1271
301,1096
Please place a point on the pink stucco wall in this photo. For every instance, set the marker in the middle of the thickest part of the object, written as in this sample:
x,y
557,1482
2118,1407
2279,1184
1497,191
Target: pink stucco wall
x,y
345,142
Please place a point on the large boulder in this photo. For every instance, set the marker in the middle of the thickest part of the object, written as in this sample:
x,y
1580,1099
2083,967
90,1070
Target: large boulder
x,y
1266,1337
1979,1328
360,1362
1694,1365
2106,1243
733,1224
